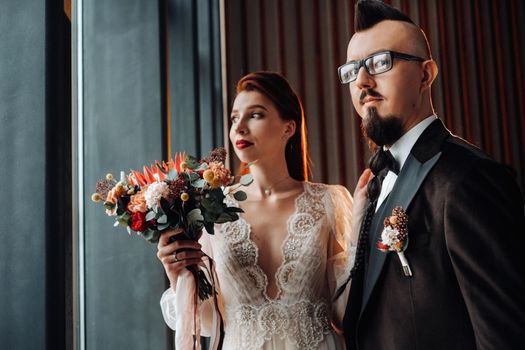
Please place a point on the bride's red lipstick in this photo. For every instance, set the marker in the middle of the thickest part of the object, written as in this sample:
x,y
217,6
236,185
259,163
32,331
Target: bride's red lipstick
x,y
241,144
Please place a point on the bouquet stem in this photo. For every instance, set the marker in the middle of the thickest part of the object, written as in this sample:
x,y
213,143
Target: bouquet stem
x,y
204,287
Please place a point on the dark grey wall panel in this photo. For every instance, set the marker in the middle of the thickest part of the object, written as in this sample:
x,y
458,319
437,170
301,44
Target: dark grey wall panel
x,y
209,94
183,77
22,170
195,90
122,130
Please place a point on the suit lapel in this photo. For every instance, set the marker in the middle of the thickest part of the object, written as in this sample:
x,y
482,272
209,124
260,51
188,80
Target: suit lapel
x,y
420,161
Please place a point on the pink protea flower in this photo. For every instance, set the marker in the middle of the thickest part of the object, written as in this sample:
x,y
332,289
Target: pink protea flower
x,y
148,175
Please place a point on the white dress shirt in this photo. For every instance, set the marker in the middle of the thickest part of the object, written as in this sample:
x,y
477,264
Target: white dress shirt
x,y
400,151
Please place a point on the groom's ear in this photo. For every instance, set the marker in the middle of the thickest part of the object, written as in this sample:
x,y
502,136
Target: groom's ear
x,y
430,72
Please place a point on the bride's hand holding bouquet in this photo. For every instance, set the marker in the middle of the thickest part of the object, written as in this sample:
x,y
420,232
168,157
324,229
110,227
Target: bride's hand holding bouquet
x,y
177,255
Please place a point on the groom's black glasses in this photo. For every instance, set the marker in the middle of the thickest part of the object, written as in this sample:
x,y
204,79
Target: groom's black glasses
x,y
377,63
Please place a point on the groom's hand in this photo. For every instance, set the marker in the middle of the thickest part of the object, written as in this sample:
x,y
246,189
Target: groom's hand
x,y
360,202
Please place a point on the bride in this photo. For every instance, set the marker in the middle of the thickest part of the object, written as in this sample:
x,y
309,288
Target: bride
x,y
280,264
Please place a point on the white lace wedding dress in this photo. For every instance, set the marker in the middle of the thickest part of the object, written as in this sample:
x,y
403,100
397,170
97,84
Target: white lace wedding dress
x,y
318,257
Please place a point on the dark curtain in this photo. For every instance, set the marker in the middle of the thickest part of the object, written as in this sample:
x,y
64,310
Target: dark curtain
x,y
478,46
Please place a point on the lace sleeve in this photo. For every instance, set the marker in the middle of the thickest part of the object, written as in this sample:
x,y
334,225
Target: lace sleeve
x,y
341,252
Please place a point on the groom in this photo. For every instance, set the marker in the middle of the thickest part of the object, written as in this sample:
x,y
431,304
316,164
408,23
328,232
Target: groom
x,y
462,285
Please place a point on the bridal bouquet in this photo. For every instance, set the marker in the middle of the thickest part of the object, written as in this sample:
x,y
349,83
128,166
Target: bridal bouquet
x,y
183,193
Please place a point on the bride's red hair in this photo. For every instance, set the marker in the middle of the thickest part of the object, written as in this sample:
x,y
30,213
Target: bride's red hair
x,y
279,91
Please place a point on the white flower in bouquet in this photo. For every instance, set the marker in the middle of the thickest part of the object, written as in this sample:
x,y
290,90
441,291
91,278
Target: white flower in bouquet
x,y
155,192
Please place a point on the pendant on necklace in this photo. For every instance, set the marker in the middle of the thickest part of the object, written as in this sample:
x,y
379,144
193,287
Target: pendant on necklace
x,y
268,191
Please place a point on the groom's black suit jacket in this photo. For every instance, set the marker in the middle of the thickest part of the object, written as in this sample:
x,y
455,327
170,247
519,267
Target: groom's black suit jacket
x,y
466,250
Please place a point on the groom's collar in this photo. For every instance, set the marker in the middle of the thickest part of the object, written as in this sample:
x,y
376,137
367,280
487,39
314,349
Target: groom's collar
x,y
430,142
401,148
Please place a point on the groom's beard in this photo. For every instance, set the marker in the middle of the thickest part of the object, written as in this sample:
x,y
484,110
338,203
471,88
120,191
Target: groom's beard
x,y
381,130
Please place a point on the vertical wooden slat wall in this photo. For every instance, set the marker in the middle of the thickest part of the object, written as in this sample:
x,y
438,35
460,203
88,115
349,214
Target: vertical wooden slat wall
x,y
477,44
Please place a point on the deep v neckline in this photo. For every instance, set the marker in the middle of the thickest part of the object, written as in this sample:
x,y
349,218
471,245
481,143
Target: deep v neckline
x,y
287,238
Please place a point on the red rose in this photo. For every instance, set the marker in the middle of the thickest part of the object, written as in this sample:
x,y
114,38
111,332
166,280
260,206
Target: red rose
x,y
138,222
382,247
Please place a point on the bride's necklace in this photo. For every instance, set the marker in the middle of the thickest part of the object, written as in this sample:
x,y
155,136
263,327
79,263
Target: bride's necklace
x,y
268,190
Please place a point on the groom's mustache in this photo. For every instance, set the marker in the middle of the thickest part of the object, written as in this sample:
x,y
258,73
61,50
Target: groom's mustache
x,y
369,92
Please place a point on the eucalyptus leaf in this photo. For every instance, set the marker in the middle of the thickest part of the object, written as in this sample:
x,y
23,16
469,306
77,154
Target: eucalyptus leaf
x,y
195,216
210,227
200,183
246,179
206,203
165,206
194,176
123,221
226,217
192,162
163,226
163,219
195,230
210,216
173,218
151,236
212,206
240,196
202,166
173,174
150,215
216,195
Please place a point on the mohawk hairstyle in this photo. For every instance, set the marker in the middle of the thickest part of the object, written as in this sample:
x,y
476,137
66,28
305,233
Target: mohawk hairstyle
x,y
370,12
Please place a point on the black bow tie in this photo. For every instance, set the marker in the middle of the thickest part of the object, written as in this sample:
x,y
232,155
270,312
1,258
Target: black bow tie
x,y
380,163
391,162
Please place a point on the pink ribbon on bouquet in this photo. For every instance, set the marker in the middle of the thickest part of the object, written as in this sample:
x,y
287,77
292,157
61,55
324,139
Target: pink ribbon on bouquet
x,y
188,321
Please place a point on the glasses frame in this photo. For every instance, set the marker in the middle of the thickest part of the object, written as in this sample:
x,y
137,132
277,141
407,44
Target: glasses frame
x,y
362,63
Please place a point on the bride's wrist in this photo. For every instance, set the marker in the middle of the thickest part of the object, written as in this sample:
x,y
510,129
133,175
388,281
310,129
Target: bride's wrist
x,y
173,284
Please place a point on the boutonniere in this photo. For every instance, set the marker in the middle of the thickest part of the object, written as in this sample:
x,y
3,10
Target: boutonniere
x,y
395,236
